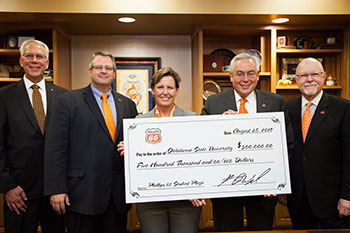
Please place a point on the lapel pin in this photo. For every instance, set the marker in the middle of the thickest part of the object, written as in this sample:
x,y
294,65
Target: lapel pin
x,y
51,89
323,112
263,105
119,100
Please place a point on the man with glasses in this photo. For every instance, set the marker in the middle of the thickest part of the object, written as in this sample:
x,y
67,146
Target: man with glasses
x,y
84,172
244,99
319,167
25,110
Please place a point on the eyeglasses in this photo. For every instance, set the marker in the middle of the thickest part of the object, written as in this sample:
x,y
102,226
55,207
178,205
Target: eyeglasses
x,y
100,68
30,56
313,75
241,75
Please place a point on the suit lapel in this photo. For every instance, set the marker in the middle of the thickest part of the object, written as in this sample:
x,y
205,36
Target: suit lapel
x,y
230,101
50,97
178,111
319,115
91,102
22,98
295,113
120,113
262,103
152,113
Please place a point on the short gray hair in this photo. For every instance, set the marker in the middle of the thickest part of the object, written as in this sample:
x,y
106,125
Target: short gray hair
x,y
242,56
104,54
38,42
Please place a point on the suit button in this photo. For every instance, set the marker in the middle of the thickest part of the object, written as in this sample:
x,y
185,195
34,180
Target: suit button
x,y
115,149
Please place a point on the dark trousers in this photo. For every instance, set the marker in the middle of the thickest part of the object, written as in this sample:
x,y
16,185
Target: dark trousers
x,y
38,211
305,218
111,221
228,214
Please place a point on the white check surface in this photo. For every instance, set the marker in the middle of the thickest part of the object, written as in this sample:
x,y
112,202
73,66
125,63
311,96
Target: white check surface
x,y
181,158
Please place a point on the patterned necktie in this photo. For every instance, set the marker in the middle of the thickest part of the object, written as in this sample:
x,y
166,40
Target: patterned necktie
x,y
38,107
306,120
242,108
107,112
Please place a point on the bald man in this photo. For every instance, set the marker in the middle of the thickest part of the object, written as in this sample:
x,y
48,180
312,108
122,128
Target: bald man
x,y
319,166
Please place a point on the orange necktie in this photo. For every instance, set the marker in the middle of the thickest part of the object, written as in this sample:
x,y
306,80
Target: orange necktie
x,y
306,120
107,112
242,108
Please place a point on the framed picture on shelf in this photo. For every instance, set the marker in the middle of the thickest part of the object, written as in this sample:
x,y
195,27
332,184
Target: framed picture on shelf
x,y
289,66
14,41
21,39
11,41
281,41
133,79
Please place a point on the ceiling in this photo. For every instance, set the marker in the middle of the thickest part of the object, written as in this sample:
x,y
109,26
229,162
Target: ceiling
x,y
152,24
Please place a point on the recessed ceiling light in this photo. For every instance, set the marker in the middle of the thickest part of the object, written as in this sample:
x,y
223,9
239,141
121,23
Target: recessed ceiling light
x,y
126,20
280,20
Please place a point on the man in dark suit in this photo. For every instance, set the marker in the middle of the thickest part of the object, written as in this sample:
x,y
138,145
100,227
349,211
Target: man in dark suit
x,y
25,111
244,75
319,167
84,172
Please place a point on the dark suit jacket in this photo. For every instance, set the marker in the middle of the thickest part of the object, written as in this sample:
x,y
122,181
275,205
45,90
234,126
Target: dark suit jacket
x,y
266,102
322,164
81,158
21,141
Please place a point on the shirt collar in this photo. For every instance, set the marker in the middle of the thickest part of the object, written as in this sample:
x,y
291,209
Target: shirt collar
x,y
250,98
97,93
157,113
28,84
315,101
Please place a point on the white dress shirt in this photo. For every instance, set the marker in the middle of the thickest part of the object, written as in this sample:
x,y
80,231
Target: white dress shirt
x,y
42,89
250,105
314,105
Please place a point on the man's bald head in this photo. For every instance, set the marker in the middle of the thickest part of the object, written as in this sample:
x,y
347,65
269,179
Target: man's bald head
x,y
310,77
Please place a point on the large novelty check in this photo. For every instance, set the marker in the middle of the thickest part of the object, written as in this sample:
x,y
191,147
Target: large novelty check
x,y
180,158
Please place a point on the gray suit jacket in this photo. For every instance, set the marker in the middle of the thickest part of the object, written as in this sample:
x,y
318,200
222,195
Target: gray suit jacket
x,y
177,112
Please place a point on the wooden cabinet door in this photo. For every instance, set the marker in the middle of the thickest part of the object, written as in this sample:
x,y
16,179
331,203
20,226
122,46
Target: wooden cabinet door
x,y
281,220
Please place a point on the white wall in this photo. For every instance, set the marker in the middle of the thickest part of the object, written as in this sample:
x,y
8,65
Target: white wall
x,y
175,51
